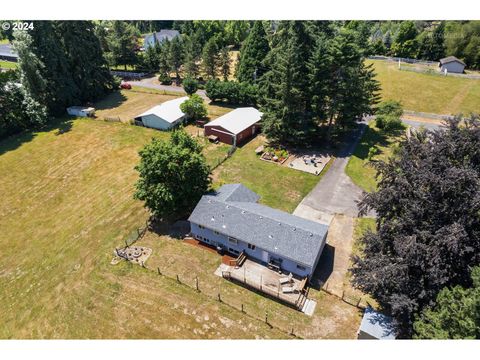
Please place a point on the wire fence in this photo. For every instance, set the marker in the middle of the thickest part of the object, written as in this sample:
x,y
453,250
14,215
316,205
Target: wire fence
x,y
220,161
405,60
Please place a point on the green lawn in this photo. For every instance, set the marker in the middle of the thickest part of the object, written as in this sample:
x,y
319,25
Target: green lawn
x,y
427,93
279,186
359,168
362,225
66,204
8,64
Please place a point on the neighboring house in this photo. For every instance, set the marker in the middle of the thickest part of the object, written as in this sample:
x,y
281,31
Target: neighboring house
x,y
235,127
164,116
7,53
231,219
159,37
82,111
452,65
376,326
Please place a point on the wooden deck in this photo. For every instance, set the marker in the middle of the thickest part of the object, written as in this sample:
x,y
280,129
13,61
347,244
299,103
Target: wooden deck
x,y
258,277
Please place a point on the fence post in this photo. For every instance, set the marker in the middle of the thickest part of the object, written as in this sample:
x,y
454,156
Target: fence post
x,y
266,317
242,309
219,298
261,281
178,279
291,332
358,302
196,283
159,272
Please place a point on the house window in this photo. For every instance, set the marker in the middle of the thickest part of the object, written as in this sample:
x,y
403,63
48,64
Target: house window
x,y
201,227
300,267
251,247
216,232
232,240
233,251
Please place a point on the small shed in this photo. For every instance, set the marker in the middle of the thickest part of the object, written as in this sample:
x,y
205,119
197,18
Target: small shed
x,y
82,111
235,127
164,116
452,65
376,326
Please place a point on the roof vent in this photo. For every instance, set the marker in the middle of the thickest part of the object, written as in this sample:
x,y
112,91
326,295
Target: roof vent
x,y
224,226
311,234
270,236
294,228
227,207
212,219
261,217
243,211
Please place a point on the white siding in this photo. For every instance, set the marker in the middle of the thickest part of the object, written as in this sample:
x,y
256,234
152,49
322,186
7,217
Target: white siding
x,y
153,121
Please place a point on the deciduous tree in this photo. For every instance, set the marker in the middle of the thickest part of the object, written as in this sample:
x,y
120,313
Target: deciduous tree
x,y
173,176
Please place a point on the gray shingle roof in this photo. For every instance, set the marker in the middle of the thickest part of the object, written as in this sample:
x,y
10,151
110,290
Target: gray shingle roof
x,y
233,211
450,59
162,35
377,325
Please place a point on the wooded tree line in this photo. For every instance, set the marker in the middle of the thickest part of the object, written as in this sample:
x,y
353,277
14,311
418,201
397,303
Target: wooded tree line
x,y
426,40
61,64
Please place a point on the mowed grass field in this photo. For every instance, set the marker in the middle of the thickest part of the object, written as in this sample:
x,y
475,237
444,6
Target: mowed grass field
x,y
359,168
67,203
427,93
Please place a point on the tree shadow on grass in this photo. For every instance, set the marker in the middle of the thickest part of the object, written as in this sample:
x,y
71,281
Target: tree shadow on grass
x,y
60,125
111,101
374,138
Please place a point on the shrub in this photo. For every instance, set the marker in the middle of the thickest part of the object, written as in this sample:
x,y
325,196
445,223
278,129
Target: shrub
x,y
372,152
232,92
194,108
165,79
190,85
388,115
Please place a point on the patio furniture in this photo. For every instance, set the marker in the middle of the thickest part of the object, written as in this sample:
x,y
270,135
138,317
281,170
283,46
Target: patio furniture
x,y
286,280
289,289
259,150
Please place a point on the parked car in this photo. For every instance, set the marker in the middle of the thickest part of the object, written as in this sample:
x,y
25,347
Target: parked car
x,y
126,86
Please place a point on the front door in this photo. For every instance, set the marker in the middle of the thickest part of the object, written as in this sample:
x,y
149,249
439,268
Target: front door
x,y
265,256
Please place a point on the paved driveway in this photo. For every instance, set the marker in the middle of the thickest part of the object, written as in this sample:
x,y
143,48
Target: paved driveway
x,y
427,125
152,83
335,193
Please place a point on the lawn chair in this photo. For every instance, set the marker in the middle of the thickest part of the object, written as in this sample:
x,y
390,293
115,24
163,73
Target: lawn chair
x,y
289,289
286,280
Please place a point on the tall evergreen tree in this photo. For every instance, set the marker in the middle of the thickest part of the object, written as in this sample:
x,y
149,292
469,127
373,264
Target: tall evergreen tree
x,y
86,62
352,89
175,55
224,62
209,58
252,54
286,96
60,90
192,54
122,42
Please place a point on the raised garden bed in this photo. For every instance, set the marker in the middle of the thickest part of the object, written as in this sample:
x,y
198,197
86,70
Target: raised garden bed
x,y
278,156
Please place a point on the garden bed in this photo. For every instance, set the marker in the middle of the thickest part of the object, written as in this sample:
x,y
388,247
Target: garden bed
x,y
278,156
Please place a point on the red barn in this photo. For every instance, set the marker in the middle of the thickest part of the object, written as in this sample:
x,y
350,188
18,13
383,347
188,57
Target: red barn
x,y
235,127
